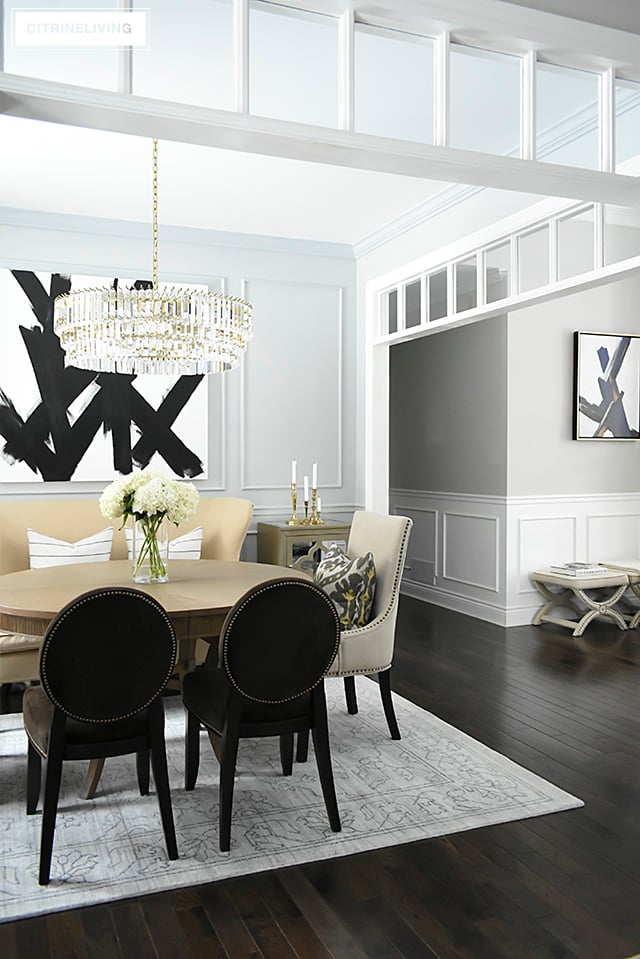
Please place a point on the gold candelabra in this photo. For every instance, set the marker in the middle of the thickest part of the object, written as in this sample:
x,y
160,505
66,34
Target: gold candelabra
x,y
294,506
316,519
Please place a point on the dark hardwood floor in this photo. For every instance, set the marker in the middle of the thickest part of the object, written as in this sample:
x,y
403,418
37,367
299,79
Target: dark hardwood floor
x,y
565,886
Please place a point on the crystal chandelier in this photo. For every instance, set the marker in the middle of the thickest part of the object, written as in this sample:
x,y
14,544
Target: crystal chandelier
x,y
152,330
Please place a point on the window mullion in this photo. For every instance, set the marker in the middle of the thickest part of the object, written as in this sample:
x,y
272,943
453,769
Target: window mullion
x,y
607,121
441,90
241,55
346,68
125,56
528,106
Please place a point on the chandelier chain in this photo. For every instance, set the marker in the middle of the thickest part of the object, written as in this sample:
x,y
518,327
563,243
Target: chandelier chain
x,y
154,275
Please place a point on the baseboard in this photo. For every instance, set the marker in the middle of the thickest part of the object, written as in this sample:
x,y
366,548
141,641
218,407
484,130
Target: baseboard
x,y
458,604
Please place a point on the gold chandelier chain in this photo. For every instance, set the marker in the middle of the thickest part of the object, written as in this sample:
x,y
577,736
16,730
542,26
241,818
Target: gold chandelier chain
x,y
154,275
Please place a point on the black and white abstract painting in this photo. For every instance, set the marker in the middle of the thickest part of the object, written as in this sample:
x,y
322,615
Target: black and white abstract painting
x,y
606,386
60,423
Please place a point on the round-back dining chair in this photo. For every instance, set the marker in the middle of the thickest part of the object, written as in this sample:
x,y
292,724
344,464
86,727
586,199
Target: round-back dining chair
x,y
105,660
276,645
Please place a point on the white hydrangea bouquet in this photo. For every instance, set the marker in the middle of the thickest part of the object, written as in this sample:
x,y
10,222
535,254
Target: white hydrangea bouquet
x,y
149,497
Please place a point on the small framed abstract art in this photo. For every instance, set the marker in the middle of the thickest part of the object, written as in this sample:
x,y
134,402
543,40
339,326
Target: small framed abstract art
x,y
606,386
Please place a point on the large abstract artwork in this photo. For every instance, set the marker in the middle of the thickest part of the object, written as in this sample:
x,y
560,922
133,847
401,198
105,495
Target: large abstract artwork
x,y
606,386
62,423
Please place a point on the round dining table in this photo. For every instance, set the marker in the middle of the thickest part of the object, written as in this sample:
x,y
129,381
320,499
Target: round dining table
x,y
197,597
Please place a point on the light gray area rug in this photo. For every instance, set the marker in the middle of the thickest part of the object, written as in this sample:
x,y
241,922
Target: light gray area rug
x,y
433,782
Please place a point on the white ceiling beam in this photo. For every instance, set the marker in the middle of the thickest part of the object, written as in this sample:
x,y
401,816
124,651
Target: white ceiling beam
x,y
140,116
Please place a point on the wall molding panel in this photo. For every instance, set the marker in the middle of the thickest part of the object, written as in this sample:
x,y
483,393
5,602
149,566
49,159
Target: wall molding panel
x,y
310,396
530,533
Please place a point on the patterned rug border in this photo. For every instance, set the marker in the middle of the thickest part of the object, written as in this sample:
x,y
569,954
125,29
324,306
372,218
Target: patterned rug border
x,y
446,782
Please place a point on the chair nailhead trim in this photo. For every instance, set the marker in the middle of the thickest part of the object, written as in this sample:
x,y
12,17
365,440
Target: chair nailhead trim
x,y
87,599
263,589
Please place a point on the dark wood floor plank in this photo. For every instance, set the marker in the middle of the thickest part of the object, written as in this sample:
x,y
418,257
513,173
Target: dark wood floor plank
x,y
328,926
131,928
99,933
200,939
8,943
298,932
165,928
267,934
229,927
66,936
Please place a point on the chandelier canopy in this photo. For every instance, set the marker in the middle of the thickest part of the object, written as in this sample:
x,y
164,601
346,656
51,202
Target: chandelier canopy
x,y
146,329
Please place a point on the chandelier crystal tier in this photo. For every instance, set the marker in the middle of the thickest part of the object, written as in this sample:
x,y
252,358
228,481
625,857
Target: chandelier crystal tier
x,y
151,330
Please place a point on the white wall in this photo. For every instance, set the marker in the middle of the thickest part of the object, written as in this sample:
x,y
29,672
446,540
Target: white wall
x,y
294,395
543,457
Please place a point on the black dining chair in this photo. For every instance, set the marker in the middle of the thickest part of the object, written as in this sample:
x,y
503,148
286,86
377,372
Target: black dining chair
x,y
105,660
276,644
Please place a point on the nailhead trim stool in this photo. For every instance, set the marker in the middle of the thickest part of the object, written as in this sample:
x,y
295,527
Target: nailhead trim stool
x,y
599,593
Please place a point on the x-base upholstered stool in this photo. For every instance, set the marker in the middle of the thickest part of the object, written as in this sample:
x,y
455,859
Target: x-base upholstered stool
x,y
632,568
599,593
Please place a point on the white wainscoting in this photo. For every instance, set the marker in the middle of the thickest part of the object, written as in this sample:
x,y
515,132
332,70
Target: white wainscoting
x,y
474,553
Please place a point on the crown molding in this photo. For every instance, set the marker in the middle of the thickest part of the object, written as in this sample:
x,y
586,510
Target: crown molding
x,y
135,230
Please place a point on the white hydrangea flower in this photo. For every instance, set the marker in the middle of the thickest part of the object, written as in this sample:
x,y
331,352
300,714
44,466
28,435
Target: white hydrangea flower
x,y
147,493
185,502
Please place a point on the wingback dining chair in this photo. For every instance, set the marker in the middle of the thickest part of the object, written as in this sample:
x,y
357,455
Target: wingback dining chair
x,y
276,644
368,650
88,706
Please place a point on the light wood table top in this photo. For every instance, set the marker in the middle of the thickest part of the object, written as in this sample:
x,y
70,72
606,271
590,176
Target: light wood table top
x,y
197,597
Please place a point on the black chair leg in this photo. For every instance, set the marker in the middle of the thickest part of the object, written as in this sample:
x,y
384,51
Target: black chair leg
x,y
350,694
49,812
320,734
34,767
142,769
191,751
228,758
161,778
302,748
384,679
5,692
286,753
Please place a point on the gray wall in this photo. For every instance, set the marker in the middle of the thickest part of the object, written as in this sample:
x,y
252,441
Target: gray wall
x,y
448,411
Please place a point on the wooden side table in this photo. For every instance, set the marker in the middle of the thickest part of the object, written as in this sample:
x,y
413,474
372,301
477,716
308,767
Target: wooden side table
x,y
599,594
276,541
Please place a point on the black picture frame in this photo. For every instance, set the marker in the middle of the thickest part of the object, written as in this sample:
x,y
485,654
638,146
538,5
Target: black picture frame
x,y
606,386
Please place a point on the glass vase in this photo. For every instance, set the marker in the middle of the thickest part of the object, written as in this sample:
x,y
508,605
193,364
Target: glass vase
x,y
150,550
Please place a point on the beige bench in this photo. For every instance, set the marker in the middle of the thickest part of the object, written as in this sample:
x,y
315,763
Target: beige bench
x,y
225,521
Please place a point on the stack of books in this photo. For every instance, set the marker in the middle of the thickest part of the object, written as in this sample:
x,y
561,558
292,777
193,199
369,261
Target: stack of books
x,y
579,569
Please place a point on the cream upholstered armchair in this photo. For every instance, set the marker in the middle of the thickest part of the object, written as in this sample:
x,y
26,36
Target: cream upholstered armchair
x,y
369,649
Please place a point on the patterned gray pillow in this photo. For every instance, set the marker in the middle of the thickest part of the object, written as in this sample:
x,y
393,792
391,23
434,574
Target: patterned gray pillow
x,y
350,583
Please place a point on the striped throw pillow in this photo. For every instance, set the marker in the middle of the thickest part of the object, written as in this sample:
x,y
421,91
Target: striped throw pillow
x,y
48,551
187,546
